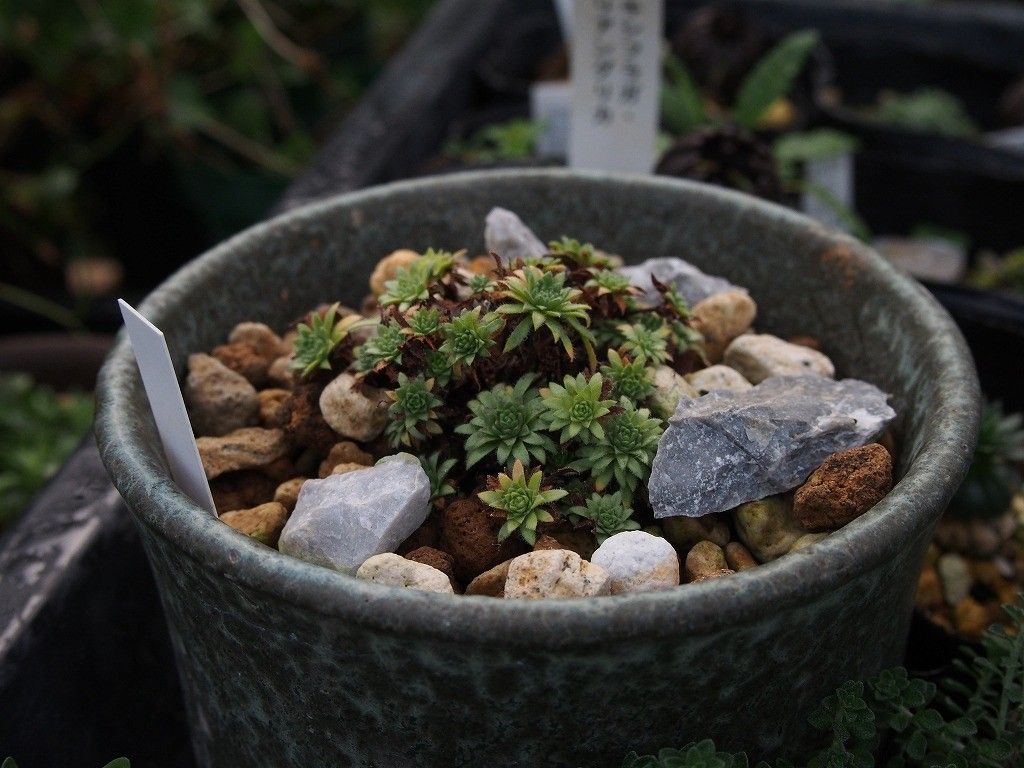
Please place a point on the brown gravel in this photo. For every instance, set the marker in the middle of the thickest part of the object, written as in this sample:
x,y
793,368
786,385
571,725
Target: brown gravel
x,y
263,523
241,490
846,486
244,358
435,558
469,535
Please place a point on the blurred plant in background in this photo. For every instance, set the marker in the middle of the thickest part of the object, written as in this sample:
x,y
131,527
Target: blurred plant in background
x,y
127,122
38,430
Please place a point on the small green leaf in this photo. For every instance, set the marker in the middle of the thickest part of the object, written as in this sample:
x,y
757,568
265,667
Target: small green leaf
x,y
773,77
682,107
120,762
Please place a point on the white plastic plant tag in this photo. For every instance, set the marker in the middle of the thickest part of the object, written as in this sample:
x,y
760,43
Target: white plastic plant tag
x,y
564,10
168,406
616,76
551,107
829,182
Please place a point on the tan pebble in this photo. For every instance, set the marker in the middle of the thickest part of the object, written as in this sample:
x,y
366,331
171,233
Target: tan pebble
x,y
345,452
263,523
767,527
347,466
713,575
971,617
279,470
481,265
248,448
717,377
806,540
738,557
761,356
704,558
395,571
490,583
358,414
271,405
281,374
721,318
219,400
262,337
554,573
244,359
387,268
929,589
287,493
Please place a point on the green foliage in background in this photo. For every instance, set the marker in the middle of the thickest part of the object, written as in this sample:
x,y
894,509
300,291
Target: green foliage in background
x,y
217,89
926,110
972,720
38,430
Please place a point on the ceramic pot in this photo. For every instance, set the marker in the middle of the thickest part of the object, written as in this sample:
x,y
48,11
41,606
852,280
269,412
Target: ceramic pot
x,y
288,664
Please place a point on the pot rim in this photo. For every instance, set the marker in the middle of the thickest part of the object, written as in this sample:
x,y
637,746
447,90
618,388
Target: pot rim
x,y
907,513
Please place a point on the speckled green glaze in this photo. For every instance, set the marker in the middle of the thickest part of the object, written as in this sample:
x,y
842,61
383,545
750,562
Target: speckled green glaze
x,y
288,664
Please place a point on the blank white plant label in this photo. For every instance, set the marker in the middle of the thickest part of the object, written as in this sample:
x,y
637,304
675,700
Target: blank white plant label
x,y
168,406
616,76
551,106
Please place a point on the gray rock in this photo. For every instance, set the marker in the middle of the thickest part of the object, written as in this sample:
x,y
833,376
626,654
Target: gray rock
x,y
506,235
691,283
341,521
727,448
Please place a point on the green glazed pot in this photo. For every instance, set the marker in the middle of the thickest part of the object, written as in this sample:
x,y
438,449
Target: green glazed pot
x,y
287,664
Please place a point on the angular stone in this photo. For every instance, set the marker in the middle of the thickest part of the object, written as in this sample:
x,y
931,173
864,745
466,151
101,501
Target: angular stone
x,y
219,400
263,523
717,377
490,583
638,562
395,571
721,318
846,486
669,389
246,448
761,356
767,527
506,235
727,448
342,520
554,573
692,284
267,343
360,415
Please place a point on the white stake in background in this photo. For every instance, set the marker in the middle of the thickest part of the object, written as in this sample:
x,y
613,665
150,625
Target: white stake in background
x,y
168,406
616,76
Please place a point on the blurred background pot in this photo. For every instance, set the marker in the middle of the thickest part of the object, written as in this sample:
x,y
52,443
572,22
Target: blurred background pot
x,y
284,661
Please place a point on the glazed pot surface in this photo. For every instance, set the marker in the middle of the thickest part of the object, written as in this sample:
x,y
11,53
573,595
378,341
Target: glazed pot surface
x,y
286,663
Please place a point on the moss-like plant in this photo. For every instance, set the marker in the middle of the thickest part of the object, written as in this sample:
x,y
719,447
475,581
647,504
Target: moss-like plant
x,y
411,284
522,501
576,407
423,322
507,423
318,338
630,379
481,284
382,348
468,337
413,411
584,254
609,513
626,453
546,302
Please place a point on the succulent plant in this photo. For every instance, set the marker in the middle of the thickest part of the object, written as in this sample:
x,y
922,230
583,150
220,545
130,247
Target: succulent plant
x,y
522,501
411,284
584,254
412,411
610,514
575,407
630,379
626,452
546,302
648,346
481,284
609,282
506,422
469,336
423,322
317,339
437,473
383,347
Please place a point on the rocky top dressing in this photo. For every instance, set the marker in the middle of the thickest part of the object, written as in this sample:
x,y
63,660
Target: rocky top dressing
x,y
536,422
